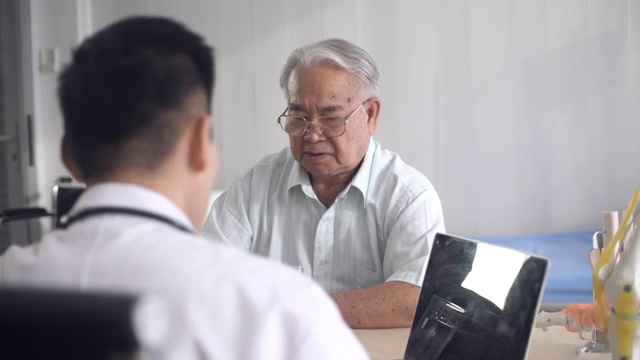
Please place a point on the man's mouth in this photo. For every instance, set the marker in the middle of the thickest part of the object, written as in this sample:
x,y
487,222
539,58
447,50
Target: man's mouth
x,y
315,155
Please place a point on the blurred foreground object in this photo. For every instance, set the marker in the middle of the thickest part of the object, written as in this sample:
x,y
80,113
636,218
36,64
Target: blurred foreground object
x,y
47,323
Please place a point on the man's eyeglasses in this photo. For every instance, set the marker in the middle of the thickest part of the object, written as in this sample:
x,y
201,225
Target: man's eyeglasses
x,y
329,126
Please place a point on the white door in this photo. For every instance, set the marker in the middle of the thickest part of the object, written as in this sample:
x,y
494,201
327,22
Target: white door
x,y
17,171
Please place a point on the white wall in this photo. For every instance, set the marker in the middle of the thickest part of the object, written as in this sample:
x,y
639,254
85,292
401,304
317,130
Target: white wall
x,y
524,115
54,25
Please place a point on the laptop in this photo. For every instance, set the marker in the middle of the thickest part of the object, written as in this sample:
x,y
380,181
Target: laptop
x,y
478,301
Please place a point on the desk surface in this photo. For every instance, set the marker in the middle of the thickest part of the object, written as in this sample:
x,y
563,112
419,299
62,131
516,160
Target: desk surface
x,y
556,343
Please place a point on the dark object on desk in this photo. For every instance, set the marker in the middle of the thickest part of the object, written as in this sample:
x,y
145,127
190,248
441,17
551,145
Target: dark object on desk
x,y
64,195
16,227
478,302
20,226
61,324
23,214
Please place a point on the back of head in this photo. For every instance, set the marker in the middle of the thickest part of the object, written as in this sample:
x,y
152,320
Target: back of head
x,y
126,92
333,52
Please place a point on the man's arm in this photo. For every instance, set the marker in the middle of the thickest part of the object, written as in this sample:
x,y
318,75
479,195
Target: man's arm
x,y
387,305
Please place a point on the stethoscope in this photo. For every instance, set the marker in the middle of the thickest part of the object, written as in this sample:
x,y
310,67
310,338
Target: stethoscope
x,y
66,221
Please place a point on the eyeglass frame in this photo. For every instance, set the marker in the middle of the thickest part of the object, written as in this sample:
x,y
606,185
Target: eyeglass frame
x,y
308,122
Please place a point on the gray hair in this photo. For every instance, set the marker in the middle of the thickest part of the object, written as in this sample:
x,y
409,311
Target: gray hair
x,y
333,52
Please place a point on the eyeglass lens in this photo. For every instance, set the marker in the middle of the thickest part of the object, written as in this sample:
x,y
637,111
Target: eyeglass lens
x,y
328,126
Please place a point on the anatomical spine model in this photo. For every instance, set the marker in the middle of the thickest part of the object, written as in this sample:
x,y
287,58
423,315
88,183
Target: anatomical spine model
x,y
616,282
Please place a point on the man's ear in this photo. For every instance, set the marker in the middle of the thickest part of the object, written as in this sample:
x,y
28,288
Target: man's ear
x,y
67,160
373,112
200,143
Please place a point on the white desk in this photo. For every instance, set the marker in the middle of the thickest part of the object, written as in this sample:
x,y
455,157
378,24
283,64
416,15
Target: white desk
x,y
554,344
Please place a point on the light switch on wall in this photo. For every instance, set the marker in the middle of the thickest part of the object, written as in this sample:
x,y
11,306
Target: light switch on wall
x,y
50,60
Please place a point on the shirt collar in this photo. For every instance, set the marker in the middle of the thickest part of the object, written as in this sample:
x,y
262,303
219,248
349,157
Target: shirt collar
x,y
131,196
300,177
363,176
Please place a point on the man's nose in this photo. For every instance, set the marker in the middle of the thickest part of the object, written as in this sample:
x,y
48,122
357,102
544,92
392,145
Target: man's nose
x,y
311,134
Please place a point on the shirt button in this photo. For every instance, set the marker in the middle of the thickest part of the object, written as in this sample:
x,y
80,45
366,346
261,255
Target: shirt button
x,y
322,262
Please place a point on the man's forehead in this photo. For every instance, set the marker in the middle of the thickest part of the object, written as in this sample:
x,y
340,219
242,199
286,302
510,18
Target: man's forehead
x,y
322,81
322,107
335,100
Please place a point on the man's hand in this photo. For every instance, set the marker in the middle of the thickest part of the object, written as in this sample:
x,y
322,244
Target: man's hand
x,y
388,305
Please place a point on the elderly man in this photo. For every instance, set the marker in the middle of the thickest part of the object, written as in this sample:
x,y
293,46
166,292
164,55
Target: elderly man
x,y
136,102
336,205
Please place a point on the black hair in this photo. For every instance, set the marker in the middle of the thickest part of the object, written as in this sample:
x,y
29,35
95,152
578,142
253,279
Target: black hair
x,y
127,84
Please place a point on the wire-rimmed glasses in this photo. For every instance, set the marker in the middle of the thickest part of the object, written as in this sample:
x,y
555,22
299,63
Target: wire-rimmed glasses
x,y
328,126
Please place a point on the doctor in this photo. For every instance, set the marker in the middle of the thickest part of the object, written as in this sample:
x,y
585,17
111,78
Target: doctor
x,y
136,102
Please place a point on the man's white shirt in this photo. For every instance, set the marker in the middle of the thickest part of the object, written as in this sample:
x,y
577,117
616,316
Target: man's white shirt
x,y
380,228
224,304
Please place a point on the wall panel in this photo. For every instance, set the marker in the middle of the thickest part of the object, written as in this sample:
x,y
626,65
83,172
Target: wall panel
x,y
523,114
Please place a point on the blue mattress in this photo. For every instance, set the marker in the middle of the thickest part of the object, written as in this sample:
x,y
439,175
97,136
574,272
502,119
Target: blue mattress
x,y
569,279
